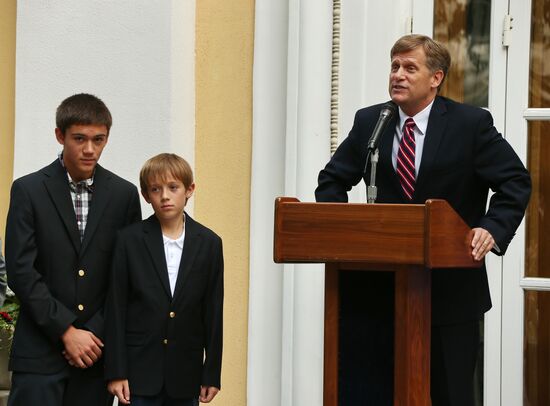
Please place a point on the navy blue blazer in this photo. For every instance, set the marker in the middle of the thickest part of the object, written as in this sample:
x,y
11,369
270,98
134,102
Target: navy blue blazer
x,y
464,157
58,279
154,339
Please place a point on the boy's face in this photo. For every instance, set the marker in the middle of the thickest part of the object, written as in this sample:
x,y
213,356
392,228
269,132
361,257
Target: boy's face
x,y
82,147
168,196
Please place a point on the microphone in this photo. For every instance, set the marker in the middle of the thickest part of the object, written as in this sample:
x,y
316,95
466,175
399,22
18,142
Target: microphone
x,y
386,114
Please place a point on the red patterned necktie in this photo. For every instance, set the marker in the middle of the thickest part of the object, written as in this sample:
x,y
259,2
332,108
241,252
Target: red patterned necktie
x,y
405,159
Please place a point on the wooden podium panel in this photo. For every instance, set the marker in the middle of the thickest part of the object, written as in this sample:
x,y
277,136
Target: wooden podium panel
x,y
311,232
430,234
405,239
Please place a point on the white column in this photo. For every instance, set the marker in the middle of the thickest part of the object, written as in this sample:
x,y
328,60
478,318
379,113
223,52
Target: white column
x,y
291,144
268,169
307,150
291,130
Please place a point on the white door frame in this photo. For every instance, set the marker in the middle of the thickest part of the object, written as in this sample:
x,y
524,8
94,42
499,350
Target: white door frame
x,y
515,283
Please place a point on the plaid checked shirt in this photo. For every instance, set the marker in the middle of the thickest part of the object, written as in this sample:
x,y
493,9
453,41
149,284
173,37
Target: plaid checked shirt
x,y
81,195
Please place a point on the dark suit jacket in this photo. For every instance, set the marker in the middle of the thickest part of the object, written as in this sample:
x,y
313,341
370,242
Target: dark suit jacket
x,y
152,338
44,255
464,156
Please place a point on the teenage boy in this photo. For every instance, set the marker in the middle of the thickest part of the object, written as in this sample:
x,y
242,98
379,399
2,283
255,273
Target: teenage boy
x,y
59,241
163,341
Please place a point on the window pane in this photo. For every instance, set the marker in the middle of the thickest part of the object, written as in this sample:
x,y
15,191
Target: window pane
x,y
539,89
464,26
537,250
537,349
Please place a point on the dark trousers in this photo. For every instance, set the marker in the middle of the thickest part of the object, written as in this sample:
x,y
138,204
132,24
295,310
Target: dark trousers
x,y
453,363
161,400
69,387
366,353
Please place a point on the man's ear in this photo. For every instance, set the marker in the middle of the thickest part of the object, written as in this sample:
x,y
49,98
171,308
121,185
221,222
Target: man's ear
x,y
60,137
145,196
437,78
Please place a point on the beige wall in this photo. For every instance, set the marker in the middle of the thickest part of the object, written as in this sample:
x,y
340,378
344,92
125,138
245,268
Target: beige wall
x,y
7,103
223,144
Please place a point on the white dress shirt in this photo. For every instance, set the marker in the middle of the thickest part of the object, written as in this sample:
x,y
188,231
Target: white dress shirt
x,y
173,250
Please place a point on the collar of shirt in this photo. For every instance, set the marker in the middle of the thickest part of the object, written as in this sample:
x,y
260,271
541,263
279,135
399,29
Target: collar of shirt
x,y
178,241
420,119
89,183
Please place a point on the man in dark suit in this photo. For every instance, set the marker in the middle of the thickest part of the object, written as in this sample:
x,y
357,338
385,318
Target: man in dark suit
x,y
60,233
447,151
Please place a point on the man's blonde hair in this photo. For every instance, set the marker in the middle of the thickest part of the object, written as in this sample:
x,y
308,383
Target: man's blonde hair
x,y
162,164
437,54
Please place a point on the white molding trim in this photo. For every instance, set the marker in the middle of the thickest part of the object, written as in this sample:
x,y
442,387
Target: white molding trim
x,y
538,114
335,82
542,284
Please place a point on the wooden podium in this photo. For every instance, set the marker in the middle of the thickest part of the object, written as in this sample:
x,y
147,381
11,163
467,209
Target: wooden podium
x,y
405,239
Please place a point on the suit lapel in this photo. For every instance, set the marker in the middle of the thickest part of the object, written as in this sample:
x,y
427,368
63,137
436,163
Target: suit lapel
x,y
152,236
191,246
57,185
435,131
100,198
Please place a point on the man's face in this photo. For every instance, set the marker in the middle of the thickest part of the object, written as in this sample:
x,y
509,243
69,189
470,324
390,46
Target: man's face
x,y
168,196
412,85
82,147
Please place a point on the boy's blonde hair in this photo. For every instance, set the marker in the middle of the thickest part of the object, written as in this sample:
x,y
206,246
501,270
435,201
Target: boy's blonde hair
x,y
162,164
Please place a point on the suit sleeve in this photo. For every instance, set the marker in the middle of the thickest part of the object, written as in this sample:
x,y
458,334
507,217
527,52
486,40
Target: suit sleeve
x,y
213,320
344,170
115,316
24,279
499,166
134,208
133,214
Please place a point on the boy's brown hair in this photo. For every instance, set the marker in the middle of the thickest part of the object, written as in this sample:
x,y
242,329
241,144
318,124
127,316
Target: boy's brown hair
x,y
82,109
161,164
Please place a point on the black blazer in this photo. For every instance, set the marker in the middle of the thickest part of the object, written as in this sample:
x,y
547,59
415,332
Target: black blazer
x,y
44,257
463,157
153,339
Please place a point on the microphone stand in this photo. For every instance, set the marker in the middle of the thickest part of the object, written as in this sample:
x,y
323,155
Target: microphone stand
x,y
372,191
388,110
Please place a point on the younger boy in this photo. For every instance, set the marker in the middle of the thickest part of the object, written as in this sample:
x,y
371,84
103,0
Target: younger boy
x,y
163,340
